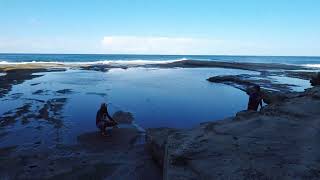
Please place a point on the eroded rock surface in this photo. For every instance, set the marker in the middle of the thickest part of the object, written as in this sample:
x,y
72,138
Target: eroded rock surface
x,y
280,142
156,139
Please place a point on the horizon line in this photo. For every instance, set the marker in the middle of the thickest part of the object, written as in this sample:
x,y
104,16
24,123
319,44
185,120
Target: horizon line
x,y
246,55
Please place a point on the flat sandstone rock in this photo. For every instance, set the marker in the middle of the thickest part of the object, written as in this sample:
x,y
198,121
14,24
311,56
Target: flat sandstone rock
x,y
280,142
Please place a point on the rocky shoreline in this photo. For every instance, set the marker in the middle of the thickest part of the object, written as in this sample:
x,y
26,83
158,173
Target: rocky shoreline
x,y
279,142
213,150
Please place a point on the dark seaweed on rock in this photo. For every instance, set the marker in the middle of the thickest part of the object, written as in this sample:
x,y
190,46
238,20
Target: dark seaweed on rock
x,y
97,93
17,75
40,92
34,84
11,117
64,91
16,96
98,67
51,111
14,77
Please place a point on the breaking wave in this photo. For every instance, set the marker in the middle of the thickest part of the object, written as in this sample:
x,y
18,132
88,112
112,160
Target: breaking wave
x,y
118,62
312,65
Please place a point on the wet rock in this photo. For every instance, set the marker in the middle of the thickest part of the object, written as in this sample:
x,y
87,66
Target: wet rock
x,y
64,91
16,96
36,100
231,65
11,117
17,74
233,79
97,67
14,77
38,92
123,117
306,75
244,82
98,94
34,84
280,93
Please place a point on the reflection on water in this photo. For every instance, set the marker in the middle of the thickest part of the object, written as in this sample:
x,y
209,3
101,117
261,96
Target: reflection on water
x,y
156,97
299,85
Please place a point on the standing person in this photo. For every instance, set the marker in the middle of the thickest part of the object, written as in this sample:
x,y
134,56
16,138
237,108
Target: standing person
x,y
255,98
104,120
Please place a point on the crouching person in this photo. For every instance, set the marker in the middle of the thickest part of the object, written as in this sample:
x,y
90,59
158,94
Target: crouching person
x,y
255,98
104,120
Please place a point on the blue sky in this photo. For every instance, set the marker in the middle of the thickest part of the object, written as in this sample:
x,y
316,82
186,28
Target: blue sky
x,y
243,27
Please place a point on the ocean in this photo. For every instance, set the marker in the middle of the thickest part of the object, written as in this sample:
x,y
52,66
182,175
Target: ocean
x,y
6,58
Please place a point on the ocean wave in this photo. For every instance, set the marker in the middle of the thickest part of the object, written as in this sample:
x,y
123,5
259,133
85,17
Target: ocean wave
x,y
105,62
312,65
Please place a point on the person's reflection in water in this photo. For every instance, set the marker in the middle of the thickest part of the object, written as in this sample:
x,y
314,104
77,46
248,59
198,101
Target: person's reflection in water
x,y
255,98
104,120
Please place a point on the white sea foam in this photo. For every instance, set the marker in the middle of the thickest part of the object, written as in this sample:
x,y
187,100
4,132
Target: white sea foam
x,y
312,65
106,62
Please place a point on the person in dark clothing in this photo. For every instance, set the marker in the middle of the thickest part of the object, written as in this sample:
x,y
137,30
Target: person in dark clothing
x,y
255,98
104,120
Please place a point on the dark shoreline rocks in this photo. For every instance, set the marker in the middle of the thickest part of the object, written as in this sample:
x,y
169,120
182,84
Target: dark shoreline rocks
x,y
17,75
177,64
279,142
14,77
244,81
231,65
232,79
